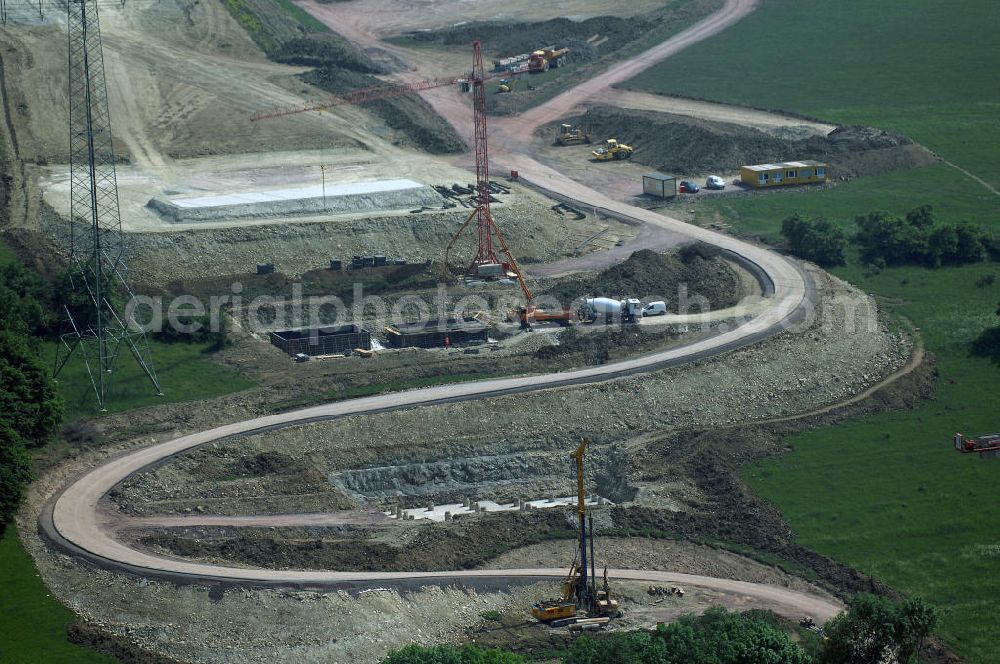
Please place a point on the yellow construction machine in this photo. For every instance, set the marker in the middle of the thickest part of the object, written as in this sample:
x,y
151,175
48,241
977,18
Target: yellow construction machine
x,y
571,135
564,606
612,150
507,84
579,588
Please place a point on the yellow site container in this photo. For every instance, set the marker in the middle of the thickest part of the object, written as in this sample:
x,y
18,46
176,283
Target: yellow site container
x,y
784,173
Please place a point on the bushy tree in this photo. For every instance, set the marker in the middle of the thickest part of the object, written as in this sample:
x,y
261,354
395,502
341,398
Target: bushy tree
x,y
30,410
467,654
876,629
15,473
915,240
987,344
817,240
717,636
23,301
28,401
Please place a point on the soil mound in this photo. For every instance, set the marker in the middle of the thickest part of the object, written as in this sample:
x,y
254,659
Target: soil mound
x,y
649,275
418,123
684,145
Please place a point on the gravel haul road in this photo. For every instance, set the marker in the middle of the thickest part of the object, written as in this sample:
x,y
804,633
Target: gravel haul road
x,y
75,522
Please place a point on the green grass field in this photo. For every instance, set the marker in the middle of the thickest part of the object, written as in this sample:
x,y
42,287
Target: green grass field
x,y
33,628
886,494
921,67
185,371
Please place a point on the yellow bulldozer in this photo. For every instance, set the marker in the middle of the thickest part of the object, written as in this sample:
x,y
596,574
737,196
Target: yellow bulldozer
x,y
571,135
612,149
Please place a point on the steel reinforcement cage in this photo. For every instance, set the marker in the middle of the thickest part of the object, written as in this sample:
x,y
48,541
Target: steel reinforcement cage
x,y
340,340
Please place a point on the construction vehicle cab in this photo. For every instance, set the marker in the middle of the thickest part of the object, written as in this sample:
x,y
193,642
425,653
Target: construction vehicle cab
x,y
612,150
507,84
565,605
546,58
571,135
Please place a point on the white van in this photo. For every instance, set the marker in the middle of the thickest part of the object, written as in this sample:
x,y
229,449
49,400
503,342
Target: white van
x,y
715,182
655,309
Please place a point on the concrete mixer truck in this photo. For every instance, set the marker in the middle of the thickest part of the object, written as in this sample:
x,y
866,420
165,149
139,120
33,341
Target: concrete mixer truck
x,y
627,311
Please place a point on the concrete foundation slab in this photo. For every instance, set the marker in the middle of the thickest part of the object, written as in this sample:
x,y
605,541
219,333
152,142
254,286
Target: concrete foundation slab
x,y
343,198
437,512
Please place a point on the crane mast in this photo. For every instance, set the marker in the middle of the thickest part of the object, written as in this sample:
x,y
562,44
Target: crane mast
x,y
484,219
486,227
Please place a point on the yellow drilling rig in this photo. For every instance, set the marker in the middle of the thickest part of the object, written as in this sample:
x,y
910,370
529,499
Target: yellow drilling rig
x,y
579,588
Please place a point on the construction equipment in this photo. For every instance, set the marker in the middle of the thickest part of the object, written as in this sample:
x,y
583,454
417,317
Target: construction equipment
x,y
563,317
507,84
486,256
571,135
562,607
513,63
547,58
604,603
627,310
612,150
987,446
579,589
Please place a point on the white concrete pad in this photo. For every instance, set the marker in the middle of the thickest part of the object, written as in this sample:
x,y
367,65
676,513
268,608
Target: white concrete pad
x,y
437,514
332,191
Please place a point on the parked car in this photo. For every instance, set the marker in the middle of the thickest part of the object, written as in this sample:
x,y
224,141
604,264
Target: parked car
x,y
715,182
688,187
655,309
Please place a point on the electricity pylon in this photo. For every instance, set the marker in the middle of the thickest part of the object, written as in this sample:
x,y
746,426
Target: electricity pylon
x,y
100,327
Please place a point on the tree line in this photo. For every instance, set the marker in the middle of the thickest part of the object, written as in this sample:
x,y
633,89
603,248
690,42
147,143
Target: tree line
x,y
872,630
30,408
884,240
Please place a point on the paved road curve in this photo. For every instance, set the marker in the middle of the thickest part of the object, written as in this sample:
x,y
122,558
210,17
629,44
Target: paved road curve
x,y
75,522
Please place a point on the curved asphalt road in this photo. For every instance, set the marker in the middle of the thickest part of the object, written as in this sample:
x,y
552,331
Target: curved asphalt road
x,y
74,522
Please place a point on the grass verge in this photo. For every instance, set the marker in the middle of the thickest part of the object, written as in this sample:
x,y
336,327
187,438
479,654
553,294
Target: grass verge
x,y
33,628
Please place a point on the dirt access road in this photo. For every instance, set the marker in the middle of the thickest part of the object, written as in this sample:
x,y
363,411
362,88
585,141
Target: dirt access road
x,y
76,523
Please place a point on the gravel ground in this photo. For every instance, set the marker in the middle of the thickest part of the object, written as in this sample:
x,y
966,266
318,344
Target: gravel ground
x,y
675,556
199,624
534,231
513,446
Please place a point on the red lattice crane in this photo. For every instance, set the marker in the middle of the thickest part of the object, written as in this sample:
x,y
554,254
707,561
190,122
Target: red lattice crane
x,y
486,261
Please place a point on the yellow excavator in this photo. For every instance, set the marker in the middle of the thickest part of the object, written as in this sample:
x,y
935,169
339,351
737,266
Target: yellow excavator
x,y
579,593
612,150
